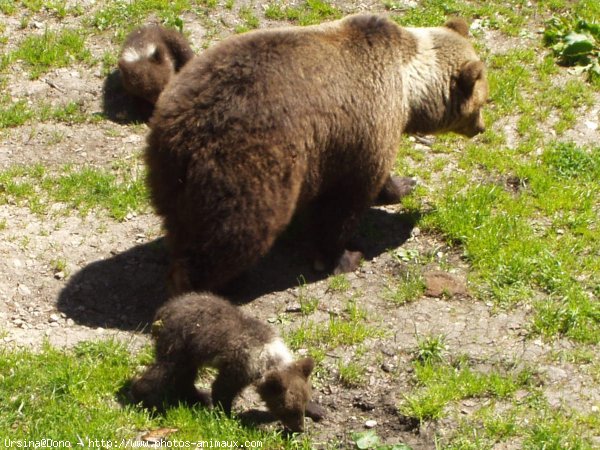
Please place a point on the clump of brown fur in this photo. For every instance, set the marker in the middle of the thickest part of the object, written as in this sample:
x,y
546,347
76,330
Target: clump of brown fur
x,y
267,123
197,330
150,56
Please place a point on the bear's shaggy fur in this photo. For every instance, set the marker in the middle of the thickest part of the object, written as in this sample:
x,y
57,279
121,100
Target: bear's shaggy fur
x,y
267,123
150,56
197,330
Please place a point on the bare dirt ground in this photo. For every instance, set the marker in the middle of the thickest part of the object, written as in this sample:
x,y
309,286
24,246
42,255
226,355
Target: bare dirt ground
x,y
115,271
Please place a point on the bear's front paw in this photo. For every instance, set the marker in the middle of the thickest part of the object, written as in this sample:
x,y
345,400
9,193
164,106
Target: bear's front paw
x,y
348,262
315,411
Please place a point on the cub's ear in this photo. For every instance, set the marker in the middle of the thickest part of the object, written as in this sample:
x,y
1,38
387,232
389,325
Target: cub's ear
x,y
459,25
272,385
470,72
158,56
305,366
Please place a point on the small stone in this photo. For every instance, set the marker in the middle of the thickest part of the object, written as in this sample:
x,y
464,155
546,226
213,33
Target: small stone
x,y
70,322
595,409
24,290
416,231
389,368
371,423
439,284
54,324
293,308
54,318
59,275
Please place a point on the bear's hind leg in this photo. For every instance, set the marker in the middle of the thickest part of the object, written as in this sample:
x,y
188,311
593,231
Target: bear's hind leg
x,y
335,218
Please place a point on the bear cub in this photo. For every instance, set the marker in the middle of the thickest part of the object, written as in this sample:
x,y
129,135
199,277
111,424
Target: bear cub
x,y
197,330
151,55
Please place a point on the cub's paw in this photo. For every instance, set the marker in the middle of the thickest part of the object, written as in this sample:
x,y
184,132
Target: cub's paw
x,y
315,411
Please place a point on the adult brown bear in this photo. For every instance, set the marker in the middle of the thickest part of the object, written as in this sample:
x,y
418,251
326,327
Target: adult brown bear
x,y
267,123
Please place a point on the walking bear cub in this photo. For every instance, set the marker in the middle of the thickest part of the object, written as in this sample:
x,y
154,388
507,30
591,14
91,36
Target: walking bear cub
x,y
268,123
197,330
151,55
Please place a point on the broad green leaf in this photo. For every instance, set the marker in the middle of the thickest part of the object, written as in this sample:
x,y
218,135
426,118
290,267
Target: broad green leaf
x,y
366,439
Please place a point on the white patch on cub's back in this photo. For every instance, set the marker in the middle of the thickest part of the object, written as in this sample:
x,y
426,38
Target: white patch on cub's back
x,y
132,54
275,354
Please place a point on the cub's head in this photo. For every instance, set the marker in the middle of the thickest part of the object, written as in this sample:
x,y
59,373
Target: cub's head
x,y
145,72
287,391
453,89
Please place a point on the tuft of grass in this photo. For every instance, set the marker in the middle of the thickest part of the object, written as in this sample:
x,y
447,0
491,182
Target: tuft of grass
x,y
309,12
409,286
250,21
430,349
8,7
13,114
308,303
351,374
51,50
338,283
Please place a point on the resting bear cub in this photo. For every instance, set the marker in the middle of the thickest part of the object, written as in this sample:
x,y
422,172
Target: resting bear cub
x,y
197,330
268,123
151,55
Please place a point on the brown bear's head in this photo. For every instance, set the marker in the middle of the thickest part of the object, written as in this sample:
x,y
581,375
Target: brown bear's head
x,y
287,391
451,79
147,76
468,87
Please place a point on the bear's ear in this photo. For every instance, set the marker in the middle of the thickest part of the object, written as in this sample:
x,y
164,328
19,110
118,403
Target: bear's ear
x,y
158,55
459,25
272,385
470,72
305,366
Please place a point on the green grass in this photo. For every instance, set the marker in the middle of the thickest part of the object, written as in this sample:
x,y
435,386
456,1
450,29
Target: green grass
x,y
121,16
250,20
117,192
347,329
309,12
17,113
338,283
41,53
439,383
405,288
510,17
308,303
351,374
514,257
42,391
